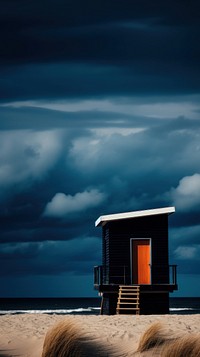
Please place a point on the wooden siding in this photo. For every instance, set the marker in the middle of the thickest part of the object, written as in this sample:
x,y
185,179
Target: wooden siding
x,y
106,255
116,242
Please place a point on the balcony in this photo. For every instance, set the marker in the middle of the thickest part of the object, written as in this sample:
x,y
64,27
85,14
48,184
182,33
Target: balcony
x,y
120,275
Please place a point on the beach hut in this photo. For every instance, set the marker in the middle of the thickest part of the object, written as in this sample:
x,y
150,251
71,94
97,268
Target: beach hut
x,y
135,275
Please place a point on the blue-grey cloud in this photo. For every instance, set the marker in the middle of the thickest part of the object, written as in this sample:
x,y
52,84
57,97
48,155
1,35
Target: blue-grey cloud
x,y
99,114
186,196
76,256
107,48
89,80
61,204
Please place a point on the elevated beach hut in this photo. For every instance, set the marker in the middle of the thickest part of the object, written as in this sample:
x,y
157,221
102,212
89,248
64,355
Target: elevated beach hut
x,y
135,275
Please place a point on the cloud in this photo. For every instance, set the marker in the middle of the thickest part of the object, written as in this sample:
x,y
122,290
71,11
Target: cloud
x,y
55,116
65,80
186,252
75,256
185,234
99,114
66,32
126,49
186,196
62,204
27,156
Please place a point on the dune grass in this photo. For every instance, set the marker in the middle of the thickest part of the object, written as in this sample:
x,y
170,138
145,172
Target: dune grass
x,y
185,346
153,337
66,339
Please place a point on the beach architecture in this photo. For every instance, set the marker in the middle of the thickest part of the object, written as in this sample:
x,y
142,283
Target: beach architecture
x,y
135,276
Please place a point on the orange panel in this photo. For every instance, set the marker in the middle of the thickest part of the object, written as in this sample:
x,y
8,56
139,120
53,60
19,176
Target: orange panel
x,y
143,264
141,261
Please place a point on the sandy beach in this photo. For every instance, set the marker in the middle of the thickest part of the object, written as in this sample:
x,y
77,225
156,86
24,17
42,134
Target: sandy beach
x,y
24,334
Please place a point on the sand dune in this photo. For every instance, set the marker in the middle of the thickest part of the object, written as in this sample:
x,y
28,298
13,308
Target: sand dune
x,y
118,335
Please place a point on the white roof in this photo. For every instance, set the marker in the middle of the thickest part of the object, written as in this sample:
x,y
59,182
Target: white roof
x,y
102,220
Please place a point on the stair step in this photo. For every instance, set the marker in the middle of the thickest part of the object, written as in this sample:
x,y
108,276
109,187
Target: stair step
x,y
128,293
128,303
128,308
136,302
132,294
131,290
128,296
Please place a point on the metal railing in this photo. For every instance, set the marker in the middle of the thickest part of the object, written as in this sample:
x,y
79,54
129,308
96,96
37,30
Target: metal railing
x,y
115,274
160,274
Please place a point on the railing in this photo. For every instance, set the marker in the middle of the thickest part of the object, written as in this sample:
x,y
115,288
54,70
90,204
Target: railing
x,y
174,274
164,274
115,274
105,275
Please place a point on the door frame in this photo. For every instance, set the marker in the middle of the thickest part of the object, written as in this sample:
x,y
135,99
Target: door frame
x,y
131,257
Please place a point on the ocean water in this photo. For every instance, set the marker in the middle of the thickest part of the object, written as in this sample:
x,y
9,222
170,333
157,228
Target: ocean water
x,y
65,306
80,306
185,305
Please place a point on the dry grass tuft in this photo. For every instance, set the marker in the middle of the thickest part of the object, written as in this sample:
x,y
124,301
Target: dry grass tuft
x,y
154,337
186,346
157,339
67,340
62,341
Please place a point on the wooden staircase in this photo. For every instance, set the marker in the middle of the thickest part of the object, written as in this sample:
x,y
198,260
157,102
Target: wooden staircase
x,y
128,300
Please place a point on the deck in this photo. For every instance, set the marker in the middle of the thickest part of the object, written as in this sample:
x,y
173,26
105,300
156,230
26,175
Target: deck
x,y
104,281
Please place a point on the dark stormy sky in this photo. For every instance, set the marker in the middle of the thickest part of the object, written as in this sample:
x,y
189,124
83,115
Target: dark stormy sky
x,y
99,114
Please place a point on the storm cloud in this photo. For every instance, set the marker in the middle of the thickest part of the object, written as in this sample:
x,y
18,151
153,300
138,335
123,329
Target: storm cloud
x,y
99,114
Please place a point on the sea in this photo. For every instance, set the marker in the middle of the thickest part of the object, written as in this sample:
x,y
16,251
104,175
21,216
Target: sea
x,y
82,306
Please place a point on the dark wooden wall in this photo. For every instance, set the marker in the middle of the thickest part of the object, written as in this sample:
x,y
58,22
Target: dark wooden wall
x,y
116,246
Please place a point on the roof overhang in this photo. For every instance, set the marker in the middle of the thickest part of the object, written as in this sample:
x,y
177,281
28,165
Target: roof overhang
x,y
102,220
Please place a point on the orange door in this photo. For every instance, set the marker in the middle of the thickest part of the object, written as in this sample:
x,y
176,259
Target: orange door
x,y
141,261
